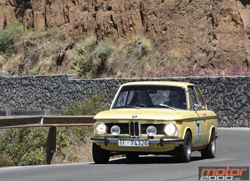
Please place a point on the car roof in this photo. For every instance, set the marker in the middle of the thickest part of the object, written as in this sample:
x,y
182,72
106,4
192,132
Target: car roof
x,y
169,83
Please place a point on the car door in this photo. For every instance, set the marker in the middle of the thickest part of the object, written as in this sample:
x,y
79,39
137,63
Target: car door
x,y
203,112
199,107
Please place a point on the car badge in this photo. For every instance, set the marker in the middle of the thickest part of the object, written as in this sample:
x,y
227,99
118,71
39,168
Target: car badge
x,y
134,116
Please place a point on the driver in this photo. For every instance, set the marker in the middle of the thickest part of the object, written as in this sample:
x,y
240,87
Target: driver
x,y
142,97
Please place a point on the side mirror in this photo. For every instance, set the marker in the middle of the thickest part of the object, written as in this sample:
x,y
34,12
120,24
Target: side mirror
x,y
197,106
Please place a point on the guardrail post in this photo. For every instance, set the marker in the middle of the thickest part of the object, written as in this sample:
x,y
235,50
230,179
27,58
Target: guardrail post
x,y
8,112
51,145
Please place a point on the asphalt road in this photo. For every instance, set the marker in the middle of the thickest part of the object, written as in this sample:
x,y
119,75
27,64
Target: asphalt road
x,y
233,149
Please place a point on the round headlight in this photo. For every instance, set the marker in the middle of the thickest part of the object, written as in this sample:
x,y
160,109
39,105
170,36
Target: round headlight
x,y
115,130
100,128
170,129
151,131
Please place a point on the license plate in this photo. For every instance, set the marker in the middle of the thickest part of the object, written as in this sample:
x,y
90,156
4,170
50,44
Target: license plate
x,y
136,143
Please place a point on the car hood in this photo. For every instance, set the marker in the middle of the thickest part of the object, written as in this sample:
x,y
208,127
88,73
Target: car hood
x,y
148,113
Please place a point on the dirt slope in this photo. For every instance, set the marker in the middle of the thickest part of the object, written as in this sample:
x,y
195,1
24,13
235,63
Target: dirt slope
x,y
211,32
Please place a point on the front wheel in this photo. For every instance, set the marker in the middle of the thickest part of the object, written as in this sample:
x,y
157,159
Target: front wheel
x,y
183,152
209,151
100,156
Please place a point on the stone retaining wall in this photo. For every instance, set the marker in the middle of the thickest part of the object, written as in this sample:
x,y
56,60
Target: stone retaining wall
x,y
229,97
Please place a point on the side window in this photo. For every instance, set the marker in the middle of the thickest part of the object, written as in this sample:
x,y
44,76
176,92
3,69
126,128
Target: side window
x,y
201,99
192,97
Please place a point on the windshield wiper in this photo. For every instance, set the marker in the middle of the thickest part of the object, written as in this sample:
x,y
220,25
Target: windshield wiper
x,y
128,106
164,105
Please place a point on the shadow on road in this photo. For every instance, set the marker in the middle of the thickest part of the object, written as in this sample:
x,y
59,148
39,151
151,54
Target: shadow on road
x,y
150,160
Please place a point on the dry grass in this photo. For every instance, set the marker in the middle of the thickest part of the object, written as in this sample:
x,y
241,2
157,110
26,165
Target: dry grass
x,y
34,53
139,57
130,58
170,63
77,153
47,52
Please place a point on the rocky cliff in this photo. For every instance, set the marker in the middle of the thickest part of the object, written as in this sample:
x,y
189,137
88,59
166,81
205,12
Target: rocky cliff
x,y
219,30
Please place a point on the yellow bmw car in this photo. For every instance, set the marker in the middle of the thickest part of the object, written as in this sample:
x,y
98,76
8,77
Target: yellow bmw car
x,y
155,117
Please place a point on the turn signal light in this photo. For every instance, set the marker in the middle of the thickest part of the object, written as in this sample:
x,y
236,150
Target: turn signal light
x,y
179,122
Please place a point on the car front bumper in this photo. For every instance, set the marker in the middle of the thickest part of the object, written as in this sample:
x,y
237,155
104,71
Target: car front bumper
x,y
161,141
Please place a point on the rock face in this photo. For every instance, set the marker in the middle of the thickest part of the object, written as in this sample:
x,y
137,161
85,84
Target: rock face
x,y
218,29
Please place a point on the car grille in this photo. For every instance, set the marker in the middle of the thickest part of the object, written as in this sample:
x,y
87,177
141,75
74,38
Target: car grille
x,y
134,129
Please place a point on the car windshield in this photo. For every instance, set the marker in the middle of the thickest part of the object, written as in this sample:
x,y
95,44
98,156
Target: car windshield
x,y
150,96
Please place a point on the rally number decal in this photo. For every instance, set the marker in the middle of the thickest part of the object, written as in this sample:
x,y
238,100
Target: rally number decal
x,y
198,130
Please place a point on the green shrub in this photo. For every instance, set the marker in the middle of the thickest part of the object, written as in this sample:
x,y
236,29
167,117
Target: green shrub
x,y
101,54
82,59
90,106
8,36
6,40
88,58
24,146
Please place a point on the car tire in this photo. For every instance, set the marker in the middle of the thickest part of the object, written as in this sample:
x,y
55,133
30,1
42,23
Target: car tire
x,y
183,152
100,156
209,151
132,156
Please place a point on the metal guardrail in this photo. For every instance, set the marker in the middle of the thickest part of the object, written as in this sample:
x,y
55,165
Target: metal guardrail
x,y
8,112
46,121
